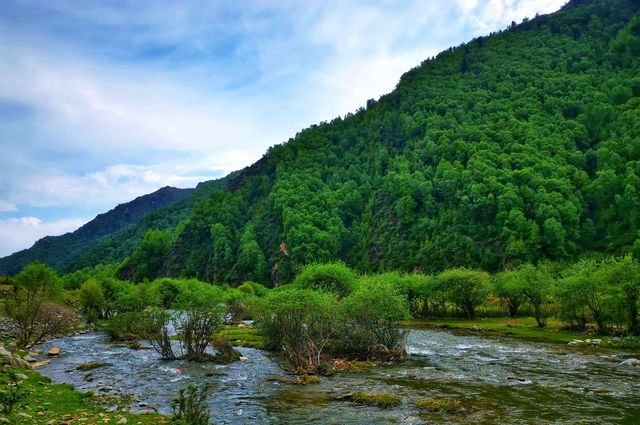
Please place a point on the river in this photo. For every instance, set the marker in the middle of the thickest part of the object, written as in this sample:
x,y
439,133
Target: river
x,y
497,379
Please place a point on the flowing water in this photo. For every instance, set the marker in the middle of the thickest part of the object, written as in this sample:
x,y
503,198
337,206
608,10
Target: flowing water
x,y
498,380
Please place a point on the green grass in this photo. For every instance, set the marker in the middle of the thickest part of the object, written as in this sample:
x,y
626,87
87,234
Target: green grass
x,y
384,400
61,403
522,328
242,337
84,367
439,405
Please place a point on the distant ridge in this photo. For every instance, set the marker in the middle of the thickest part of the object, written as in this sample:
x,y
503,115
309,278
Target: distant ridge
x,y
60,251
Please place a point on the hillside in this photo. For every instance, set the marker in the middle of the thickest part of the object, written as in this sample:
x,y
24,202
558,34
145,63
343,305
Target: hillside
x,y
60,251
516,147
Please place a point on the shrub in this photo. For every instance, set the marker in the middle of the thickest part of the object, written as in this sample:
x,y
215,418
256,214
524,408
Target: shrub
x,y
298,323
415,288
92,300
370,322
237,305
465,288
11,392
189,407
154,329
336,278
124,326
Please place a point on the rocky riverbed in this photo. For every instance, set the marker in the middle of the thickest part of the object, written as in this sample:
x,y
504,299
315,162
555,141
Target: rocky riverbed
x,y
491,380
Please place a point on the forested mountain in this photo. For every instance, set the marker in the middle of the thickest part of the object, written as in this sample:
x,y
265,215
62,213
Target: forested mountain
x,y
61,251
516,147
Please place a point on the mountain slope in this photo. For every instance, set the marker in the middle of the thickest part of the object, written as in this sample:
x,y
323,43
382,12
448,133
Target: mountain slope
x,y
60,251
516,147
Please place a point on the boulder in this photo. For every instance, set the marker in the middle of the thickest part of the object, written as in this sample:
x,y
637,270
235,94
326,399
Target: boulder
x,y
631,362
53,351
29,359
39,364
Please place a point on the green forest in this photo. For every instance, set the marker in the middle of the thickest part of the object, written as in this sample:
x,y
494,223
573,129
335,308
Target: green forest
x,y
515,148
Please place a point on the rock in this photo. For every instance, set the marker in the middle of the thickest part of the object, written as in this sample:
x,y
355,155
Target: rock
x,y
243,358
631,362
4,351
29,359
40,363
15,362
53,351
22,376
122,421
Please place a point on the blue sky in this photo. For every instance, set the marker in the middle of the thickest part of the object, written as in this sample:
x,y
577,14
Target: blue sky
x,y
104,101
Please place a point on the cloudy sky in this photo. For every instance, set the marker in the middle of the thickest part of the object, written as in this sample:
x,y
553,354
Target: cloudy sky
x,y
103,101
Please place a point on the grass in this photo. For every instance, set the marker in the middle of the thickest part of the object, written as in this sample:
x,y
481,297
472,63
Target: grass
x,y
384,400
241,337
84,367
439,405
523,328
46,403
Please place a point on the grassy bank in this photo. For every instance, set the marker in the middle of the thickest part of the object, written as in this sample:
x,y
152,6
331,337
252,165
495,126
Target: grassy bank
x,y
523,328
47,403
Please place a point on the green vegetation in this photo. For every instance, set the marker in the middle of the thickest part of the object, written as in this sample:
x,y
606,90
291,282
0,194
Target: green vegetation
x,y
189,407
515,148
41,402
384,400
439,405
85,367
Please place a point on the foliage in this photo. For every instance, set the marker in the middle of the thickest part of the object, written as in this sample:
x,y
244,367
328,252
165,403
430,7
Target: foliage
x,y
92,300
189,407
507,286
32,308
298,323
336,278
146,261
439,405
11,392
154,328
465,288
537,286
370,322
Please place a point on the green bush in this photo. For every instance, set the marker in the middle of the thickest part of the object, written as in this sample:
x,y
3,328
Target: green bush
x,y
298,323
370,322
336,278
189,408
465,288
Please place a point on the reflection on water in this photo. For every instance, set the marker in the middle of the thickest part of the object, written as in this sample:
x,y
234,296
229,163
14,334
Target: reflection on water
x,y
498,380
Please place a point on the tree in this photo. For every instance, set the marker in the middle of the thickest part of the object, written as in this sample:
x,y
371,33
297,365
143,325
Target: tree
x,y
465,288
507,286
147,260
32,306
624,275
537,286
92,300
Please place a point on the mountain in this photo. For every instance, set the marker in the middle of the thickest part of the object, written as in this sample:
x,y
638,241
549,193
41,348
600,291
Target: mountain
x,y
61,251
517,147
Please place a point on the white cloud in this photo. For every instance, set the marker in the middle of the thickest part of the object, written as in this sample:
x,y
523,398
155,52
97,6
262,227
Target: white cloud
x,y
20,233
7,206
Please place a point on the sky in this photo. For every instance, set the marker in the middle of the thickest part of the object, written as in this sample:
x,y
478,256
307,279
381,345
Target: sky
x,y
104,101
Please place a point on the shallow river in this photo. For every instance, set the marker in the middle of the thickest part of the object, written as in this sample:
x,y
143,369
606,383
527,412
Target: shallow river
x,y
498,380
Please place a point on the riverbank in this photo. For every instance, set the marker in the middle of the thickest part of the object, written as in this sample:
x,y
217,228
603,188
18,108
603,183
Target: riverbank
x,y
42,402
525,328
